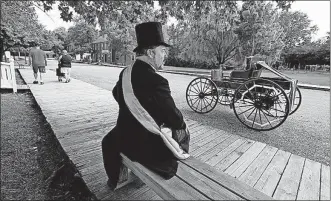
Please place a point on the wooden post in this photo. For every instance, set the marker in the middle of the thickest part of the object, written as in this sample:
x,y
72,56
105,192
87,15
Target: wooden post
x,y
13,76
126,176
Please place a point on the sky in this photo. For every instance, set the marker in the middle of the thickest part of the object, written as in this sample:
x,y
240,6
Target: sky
x,y
317,11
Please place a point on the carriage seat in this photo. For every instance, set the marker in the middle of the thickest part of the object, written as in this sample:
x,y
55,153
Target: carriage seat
x,y
253,72
241,74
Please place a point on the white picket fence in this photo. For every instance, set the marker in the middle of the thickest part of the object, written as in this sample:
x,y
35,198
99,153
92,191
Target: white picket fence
x,y
8,78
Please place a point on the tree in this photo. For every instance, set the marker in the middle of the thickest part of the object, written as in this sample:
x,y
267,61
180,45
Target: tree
x,y
311,53
120,24
125,14
259,31
59,38
206,30
19,25
81,34
297,29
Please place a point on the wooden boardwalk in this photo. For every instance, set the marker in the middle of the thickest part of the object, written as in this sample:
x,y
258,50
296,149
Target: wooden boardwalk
x,y
80,114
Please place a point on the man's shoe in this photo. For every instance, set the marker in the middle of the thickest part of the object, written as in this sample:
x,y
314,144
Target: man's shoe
x,y
41,83
130,178
35,82
110,185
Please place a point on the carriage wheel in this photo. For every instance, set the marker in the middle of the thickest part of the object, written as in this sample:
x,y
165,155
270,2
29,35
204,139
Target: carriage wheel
x,y
202,95
261,104
225,96
297,101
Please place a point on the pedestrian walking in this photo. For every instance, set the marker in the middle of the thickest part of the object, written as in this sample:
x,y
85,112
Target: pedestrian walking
x,y
145,108
65,65
38,60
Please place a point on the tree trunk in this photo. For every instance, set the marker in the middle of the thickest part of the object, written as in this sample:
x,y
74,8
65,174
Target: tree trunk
x,y
2,50
25,57
253,47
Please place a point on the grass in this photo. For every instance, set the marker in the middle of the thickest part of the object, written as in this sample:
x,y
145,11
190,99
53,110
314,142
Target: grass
x,y
31,154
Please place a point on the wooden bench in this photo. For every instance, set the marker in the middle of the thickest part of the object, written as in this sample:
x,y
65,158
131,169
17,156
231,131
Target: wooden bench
x,y
195,180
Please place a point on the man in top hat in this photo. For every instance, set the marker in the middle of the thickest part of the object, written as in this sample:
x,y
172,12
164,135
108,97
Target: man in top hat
x,y
145,104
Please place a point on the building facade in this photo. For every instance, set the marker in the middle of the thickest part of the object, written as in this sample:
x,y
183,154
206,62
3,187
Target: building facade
x,y
104,53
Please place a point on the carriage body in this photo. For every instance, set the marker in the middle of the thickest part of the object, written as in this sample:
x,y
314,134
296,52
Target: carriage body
x,y
260,103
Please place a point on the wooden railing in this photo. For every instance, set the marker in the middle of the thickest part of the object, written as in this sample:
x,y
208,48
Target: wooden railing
x,y
8,79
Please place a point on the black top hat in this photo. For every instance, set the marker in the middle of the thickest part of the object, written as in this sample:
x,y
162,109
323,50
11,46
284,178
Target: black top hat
x,y
149,34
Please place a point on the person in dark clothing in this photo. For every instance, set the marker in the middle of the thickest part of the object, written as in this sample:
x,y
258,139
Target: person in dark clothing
x,y
132,136
65,65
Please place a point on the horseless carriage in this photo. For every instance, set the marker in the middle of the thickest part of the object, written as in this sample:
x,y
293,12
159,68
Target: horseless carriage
x,y
260,103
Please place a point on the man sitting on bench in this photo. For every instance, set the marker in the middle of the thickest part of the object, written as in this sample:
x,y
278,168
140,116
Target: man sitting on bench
x,y
146,105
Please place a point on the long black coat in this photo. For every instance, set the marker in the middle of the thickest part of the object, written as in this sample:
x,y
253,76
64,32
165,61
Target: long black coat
x,y
130,137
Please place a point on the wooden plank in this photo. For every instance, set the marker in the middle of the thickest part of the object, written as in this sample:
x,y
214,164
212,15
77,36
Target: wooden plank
x,y
228,182
268,181
196,129
209,145
255,170
232,157
203,184
79,127
94,180
66,115
238,167
202,142
164,188
103,192
289,183
76,115
136,194
95,185
22,87
84,135
211,152
156,197
310,181
199,130
225,152
75,108
325,183
82,148
191,124
92,157
203,133
50,98
81,144
93,172
148,195
145,195
83,120
71,135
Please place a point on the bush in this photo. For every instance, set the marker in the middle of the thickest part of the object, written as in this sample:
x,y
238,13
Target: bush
x,y
178,62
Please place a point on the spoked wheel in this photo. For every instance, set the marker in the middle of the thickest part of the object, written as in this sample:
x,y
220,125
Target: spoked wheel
x,y
261,104
297,100
225,96
202,95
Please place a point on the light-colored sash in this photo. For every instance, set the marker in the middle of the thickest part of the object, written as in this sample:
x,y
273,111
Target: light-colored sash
x,y
144,118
